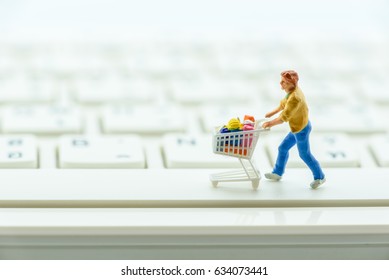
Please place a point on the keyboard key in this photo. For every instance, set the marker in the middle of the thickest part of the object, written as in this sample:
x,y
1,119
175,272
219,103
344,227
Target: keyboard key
x,y
18,89
143,119
215,90
101,152
327,91
188,188
18,151
347,118
380,148
41,119
238,62
115,89
193,151
331,150
375,89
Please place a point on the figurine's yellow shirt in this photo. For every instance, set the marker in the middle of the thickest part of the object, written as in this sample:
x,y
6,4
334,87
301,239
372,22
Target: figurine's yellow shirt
x,y
295,110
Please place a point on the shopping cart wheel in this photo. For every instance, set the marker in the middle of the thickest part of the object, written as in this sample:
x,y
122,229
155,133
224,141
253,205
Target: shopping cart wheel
x,y
255,184
214,183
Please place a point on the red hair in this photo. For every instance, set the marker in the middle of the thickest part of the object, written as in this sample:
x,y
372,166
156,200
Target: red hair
x,y
290,76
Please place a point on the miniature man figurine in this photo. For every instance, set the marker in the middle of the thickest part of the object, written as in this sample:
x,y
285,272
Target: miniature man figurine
x,y
294,111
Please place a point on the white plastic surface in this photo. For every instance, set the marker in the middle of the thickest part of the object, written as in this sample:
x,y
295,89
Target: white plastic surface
x,y
188,188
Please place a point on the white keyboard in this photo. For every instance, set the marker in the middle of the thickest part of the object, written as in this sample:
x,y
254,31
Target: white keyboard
x,y
106,151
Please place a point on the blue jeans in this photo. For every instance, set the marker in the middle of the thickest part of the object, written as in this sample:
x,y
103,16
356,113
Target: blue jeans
x,y
302,140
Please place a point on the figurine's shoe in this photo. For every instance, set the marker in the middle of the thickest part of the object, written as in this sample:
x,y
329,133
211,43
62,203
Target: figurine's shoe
x,y
317,183
273,176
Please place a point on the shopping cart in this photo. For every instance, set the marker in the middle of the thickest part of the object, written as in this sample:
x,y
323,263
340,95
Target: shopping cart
x,y
240,144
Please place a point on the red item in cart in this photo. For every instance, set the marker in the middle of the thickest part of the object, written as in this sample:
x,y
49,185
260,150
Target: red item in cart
x,y
235,150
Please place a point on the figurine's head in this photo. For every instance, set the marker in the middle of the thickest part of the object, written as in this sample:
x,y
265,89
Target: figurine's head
x,y
289,80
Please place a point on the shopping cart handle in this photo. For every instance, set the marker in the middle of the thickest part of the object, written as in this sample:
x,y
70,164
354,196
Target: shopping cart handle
x,y
260,122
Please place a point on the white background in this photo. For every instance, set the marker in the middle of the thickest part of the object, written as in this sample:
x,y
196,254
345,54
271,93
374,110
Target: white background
x,y
120,18
277,270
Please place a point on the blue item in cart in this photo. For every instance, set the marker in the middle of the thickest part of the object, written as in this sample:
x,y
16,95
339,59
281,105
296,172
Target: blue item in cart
x,y
226,130
234,139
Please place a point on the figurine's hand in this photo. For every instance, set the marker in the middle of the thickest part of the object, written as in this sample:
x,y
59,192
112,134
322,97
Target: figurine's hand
x,y
266,125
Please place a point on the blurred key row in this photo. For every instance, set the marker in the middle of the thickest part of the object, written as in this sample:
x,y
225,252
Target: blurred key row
x,y
172,57
182,151
48,120
197,87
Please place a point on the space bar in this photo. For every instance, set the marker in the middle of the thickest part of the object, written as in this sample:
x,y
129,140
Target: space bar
x,y
186,188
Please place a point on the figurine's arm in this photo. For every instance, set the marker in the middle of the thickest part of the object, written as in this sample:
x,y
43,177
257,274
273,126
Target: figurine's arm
x,y
275,111
288,111
271,123
276,120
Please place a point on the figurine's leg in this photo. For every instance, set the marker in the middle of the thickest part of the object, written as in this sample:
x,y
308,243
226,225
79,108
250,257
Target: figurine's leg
x,y
283,153
305,152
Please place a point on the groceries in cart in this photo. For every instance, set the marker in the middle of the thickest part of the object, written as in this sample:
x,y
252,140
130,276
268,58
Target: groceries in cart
x,y
235,125
238,139
236,142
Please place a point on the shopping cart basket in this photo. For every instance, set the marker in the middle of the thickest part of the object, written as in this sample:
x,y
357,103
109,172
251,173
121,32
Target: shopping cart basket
x,y
240,144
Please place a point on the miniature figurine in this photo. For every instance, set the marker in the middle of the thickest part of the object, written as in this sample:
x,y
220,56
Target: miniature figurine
x,y
294,111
